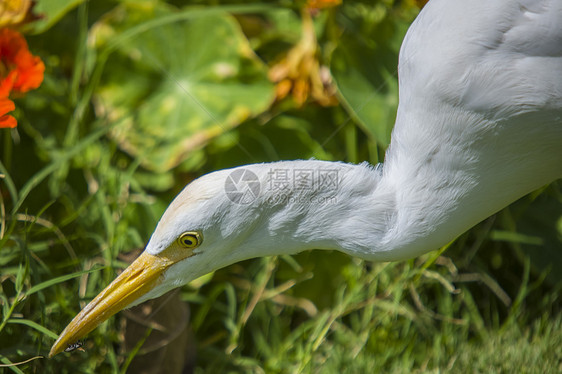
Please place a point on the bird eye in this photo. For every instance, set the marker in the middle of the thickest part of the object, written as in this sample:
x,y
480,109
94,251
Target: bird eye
x,y
190,239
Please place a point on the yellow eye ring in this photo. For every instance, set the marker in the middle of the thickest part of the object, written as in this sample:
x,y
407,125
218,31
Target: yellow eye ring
x,y
190,239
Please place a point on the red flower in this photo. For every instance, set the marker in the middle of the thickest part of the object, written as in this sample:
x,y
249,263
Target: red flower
x,y
20,72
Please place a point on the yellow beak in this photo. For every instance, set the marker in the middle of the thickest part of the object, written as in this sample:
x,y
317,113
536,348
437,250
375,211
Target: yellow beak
x,y
139,278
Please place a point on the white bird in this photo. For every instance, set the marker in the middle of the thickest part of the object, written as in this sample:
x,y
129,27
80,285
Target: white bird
x,y
479,125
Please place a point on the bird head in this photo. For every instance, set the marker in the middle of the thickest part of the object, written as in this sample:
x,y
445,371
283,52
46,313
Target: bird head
x,y
217,220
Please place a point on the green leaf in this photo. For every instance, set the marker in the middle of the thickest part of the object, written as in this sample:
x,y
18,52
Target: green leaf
x,y
515,237
7,179
369,95
51,12
21,275
63,278
175,86
34,325
542,223
364,67
10,365
5,306
55,165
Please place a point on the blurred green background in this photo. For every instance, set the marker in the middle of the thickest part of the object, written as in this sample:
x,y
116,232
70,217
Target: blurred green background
x,y
141,97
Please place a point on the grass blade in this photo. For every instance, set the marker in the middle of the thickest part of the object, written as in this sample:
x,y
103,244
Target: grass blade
x,y
55,165
10,365
50,282
9,182
35,326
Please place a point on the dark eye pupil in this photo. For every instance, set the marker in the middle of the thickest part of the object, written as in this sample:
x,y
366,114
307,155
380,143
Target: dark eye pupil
x,y
189,240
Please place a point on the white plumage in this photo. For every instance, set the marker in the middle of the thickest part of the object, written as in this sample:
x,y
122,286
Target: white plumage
x,y
479,125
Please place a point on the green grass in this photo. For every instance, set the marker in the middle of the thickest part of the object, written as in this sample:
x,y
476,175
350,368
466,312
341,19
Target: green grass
x,y
76,206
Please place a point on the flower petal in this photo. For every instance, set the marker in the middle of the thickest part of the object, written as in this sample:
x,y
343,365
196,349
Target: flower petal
x,y
15,55
30,72
6,120
7,84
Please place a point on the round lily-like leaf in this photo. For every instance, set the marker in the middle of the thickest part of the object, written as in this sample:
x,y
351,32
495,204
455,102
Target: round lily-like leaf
x,y
177,85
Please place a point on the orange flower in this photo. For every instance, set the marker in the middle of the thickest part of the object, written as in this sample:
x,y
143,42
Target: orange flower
x,y
6,120
20,72
18,64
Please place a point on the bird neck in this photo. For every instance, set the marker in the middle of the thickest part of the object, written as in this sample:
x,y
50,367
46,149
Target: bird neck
x,y
377,213
383,213
326,205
